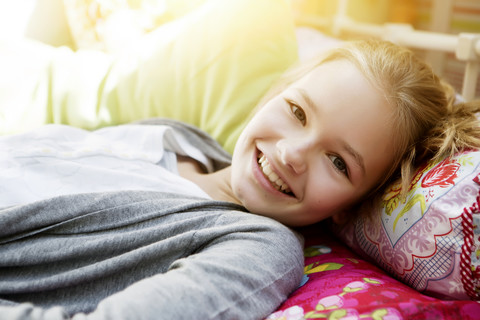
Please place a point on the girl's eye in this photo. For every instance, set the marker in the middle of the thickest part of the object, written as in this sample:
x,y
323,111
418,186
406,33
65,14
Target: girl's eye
x,y
339,164
299,113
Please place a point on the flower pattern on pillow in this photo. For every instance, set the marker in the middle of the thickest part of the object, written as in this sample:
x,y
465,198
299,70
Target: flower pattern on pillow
x,y
391,199
443,175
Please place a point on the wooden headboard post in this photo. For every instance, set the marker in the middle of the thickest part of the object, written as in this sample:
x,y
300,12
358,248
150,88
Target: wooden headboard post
x,y
465,46
468,50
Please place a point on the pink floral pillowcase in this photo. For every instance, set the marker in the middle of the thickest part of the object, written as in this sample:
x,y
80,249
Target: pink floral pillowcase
x,y
430,241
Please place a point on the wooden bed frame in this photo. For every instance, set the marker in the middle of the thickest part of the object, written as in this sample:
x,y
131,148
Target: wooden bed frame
x,y
465,46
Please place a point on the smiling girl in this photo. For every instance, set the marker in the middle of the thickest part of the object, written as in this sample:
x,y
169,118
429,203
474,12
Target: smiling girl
x,y
154,221
340,127
317,143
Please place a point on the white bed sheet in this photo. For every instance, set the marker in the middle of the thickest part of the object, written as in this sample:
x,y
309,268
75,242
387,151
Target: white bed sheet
x,y
58,160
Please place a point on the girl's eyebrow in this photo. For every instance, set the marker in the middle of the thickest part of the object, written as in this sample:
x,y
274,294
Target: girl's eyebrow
x,y
306,97
355,155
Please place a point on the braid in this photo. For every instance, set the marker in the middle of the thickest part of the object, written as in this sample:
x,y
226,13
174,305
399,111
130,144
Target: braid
x,y
458,130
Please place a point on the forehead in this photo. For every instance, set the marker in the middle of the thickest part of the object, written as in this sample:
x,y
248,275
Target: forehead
x,y
336,72
339,86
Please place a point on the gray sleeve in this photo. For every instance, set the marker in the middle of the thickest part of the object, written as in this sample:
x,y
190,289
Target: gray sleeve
x,y
211,148
244,266
243,275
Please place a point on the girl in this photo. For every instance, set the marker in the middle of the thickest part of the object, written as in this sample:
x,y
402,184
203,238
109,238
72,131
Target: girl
x,y
337,129
172,239
424,121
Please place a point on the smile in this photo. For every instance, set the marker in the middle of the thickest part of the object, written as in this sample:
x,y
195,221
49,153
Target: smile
x,y
274,179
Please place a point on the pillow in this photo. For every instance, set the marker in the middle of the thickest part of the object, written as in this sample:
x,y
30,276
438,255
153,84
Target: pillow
x,y
431,240
208,68
112,25
312,42
339,284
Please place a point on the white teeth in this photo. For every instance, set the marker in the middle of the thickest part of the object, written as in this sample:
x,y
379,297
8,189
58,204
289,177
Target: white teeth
x,y
272,176
279,182
267,170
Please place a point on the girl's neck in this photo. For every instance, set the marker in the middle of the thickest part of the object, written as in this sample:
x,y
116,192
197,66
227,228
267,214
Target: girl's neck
x,y
217,184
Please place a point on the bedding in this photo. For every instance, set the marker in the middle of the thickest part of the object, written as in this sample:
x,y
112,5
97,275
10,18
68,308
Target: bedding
x,y
430,240
113,25
59,160
340,284
190,69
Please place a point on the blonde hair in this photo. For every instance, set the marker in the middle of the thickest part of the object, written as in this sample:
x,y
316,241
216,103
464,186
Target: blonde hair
x,y
428,123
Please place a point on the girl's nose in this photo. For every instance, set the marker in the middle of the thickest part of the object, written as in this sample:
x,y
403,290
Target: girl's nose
x,y
293,154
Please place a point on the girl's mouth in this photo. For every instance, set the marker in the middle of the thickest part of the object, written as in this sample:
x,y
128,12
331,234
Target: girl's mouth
x,y
274,179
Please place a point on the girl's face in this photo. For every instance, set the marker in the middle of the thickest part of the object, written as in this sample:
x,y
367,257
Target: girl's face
x,y
316,148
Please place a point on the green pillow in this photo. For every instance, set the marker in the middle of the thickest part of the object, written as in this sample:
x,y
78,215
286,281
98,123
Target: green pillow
x,y
208,68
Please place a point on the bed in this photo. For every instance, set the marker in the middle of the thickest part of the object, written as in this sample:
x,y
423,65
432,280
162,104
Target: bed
x,y
418,259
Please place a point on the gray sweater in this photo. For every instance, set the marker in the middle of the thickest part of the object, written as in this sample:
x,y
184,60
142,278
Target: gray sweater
x,y
144,255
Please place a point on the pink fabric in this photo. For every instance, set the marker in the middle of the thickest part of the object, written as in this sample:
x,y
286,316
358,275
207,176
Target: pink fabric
x,y
339,284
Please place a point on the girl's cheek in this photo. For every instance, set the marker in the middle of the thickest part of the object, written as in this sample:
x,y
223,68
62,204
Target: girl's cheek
x,y
326,192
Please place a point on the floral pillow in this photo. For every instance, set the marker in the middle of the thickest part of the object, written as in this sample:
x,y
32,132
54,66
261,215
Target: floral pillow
x,y
338,284
430,241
